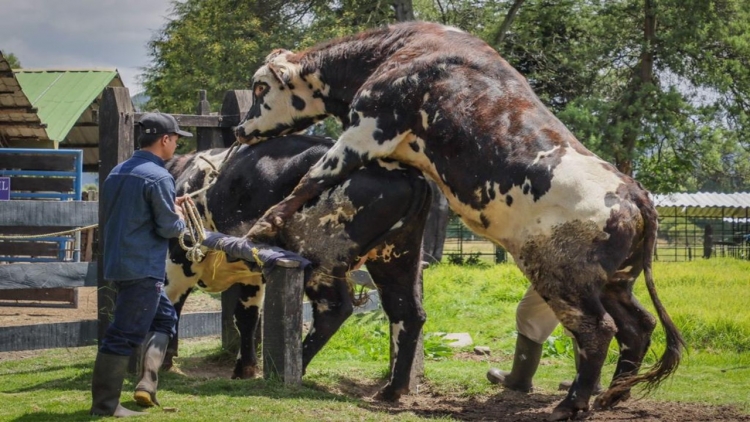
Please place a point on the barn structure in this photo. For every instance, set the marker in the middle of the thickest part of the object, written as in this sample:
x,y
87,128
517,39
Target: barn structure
x,y
53,109
703,225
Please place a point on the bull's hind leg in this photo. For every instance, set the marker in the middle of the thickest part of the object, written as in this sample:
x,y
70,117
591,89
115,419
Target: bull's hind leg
x,y
634,328
580,310
246,317
401,298
331,306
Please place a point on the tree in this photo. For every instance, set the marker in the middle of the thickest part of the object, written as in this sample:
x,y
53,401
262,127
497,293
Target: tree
x,y
214,45
12,60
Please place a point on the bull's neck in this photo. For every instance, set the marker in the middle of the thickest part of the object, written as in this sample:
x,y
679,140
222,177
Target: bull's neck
x,y
346,64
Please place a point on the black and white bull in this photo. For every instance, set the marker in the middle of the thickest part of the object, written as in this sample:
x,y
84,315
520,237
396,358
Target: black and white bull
x,y
445,102
377,215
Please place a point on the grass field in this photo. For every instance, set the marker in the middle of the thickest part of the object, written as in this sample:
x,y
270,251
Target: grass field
x,y
708,300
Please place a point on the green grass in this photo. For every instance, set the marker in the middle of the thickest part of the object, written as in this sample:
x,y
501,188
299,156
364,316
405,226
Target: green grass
x,y
707,299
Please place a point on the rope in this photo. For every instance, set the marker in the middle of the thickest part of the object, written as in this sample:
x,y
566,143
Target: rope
x,y
193,228
39,236
193,221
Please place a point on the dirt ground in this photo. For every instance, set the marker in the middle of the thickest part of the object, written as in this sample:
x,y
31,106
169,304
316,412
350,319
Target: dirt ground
x,y
15,316
427,402
502,406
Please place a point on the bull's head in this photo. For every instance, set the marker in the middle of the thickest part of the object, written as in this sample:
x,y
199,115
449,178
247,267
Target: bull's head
x,y
284,99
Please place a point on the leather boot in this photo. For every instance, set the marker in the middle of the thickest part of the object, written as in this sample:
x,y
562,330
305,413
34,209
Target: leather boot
x,y
153,351
565,385
106,386
525,362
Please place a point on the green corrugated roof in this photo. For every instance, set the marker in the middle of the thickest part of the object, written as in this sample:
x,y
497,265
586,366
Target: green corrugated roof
x,y
61,96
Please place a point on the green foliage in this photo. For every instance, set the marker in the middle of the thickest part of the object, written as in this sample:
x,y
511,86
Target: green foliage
x,y
670,107
12,60
214,45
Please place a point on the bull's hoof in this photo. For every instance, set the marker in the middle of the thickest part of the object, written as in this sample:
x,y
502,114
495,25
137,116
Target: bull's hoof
x,y
608,400
564,413
388,394
263,231
246,373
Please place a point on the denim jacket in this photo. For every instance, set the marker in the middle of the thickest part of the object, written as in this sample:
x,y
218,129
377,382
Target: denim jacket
x,y
138,201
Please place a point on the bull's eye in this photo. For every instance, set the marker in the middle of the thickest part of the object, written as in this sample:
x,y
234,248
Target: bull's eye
x,y
260,89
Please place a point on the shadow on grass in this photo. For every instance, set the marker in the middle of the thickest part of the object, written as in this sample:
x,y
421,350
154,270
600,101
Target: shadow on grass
x,y
57,417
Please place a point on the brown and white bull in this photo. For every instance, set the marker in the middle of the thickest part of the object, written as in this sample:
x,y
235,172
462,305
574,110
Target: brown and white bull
x,y
377,215
445,102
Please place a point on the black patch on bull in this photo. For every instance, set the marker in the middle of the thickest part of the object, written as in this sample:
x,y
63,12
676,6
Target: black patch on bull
x,y
298,103
509,200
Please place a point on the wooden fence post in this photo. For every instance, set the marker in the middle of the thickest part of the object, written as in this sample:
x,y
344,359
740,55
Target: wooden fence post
x,y
116,144
282,323
206,137
233,109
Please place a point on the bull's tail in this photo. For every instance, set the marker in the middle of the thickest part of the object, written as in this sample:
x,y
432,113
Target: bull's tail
x,y
670,360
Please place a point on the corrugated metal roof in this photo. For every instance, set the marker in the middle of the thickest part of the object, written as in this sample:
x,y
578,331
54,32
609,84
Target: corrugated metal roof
x,y
61,96
704,204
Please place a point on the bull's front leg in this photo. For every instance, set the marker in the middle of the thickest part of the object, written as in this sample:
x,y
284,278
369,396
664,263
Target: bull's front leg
x,y
332,168
331,306
246,317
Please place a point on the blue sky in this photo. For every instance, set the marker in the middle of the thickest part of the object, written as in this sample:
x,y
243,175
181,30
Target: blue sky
x,y
82,33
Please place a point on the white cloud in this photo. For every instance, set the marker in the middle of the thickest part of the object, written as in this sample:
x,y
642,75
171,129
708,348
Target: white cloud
x,y
82,33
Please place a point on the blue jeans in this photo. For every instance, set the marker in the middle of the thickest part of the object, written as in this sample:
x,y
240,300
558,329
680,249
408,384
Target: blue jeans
x,y
141,306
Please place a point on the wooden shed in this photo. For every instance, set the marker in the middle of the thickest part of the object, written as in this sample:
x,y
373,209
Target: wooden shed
x,y
53,108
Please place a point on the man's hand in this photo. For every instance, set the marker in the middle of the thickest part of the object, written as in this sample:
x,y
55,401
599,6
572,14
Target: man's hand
x,y
181,199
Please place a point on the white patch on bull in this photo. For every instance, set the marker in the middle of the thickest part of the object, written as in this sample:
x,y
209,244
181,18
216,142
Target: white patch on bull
x,y
396,329
579,185
414,78
398,81
256,300
542,154
365,93
322,307
398,225
453,29
425,117
390,165
358,139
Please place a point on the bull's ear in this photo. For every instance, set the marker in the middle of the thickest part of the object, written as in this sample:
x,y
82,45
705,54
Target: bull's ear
x,y
275,53
280,72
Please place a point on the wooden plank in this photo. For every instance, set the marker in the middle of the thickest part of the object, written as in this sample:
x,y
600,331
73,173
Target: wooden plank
x,y
38,162
193,120
233,110
48,213
48,336
116,144
42,184
25,230
206,137
40,297
282,323
83,333
39,249
48,275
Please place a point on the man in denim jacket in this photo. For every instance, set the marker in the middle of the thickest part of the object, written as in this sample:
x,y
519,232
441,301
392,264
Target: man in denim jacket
x,y
142,214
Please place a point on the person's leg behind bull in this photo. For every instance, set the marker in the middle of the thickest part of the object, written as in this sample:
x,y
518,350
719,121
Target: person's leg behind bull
x,y
142,313
535,322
